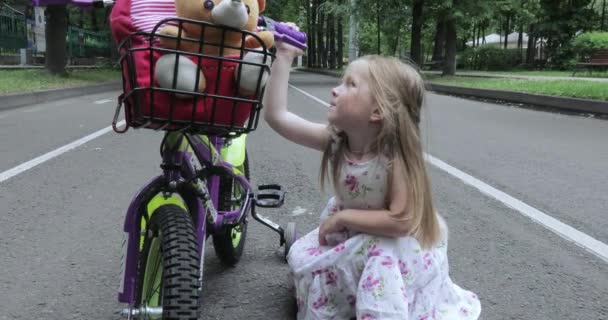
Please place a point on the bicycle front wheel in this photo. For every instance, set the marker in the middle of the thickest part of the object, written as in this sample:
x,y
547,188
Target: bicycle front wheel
x,y
169,267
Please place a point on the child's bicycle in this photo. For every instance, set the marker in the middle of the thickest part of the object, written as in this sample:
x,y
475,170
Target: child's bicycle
x,y
203,191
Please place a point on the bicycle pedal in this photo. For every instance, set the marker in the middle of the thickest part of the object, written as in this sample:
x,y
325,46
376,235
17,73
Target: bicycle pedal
x,y
270,196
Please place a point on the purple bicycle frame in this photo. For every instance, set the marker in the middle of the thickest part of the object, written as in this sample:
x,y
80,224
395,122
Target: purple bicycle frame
x,y
177,167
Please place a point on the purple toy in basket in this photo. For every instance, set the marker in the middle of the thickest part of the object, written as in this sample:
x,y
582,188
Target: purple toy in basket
x,y
283,33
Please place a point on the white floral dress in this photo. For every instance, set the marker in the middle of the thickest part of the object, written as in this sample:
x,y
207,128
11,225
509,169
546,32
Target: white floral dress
x,y
371,277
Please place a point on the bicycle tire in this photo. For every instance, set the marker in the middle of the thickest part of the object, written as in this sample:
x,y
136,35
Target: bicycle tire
x,y
169,265
229,241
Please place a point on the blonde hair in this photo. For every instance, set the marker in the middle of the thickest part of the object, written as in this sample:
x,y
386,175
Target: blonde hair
x,y
397,88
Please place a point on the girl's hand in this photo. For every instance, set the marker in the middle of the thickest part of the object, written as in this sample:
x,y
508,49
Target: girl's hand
x,y
284,49
330,225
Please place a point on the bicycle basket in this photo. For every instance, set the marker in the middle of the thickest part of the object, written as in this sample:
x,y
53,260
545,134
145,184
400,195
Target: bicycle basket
x,y
220,109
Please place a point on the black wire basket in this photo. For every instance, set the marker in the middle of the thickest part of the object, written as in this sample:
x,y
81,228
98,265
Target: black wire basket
x,y
222,108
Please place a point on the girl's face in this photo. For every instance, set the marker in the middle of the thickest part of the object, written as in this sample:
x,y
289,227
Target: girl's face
x,y
351,104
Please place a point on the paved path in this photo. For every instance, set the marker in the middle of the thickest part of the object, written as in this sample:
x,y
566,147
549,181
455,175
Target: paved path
x,y
61,221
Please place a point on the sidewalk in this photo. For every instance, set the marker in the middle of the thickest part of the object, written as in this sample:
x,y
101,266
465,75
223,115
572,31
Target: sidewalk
x,y
482,74
545,101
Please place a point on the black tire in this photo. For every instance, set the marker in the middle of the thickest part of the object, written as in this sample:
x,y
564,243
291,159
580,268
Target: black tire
x,y
228,252
176,286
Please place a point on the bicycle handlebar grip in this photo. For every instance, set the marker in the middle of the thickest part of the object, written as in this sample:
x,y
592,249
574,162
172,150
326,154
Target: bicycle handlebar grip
x,y
284,33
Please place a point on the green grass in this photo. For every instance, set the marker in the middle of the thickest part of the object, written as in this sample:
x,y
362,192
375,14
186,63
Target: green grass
x,y
567,88
547,73
14,81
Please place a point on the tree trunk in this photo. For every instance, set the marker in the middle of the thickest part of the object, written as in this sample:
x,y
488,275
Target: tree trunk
x,y
81,19
378,24
340,40
531,50
520,39
94,24
353,32
313,34
332,41
417,20
451,36
321,41
603,23
439,40
507,31
56,29
310,44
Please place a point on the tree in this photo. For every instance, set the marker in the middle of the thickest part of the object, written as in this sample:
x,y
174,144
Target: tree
x,y
56,29
353,31
417,20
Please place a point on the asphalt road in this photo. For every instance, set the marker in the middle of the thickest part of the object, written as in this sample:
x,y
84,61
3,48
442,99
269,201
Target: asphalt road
x,y
61,221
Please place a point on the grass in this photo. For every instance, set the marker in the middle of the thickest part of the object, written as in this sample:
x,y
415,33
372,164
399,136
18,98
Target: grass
x,y
548,73
14,81
566,88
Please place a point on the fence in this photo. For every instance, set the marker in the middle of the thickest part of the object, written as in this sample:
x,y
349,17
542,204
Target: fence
x,y
87,44
13,31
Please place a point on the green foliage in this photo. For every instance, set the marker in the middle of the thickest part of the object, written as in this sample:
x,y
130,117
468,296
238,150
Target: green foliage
x,y
587,42
489,58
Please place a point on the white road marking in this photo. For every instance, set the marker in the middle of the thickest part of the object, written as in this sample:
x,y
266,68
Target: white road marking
x,y
565,231
103,101
52,154
298,211
34,109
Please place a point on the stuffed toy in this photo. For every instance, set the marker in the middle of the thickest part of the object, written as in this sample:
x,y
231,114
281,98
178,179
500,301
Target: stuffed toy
x,y
238,14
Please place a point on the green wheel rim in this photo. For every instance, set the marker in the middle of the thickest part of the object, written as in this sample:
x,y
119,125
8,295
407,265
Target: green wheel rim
x,y
236,235
151,295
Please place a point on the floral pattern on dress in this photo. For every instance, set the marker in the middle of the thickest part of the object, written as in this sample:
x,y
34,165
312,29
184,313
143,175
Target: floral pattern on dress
x,y
368,277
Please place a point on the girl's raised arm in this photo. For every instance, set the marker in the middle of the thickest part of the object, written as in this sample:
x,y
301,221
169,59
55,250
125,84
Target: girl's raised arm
x,y
287,124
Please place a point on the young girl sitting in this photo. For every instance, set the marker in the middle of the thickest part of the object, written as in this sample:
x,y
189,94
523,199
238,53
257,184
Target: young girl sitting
x,y
381,249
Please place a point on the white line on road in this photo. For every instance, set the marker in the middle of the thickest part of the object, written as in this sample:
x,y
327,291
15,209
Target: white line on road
x,y
103,101
34,109
52,154
567,232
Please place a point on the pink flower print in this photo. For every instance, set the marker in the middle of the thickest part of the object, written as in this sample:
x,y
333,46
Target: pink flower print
x,y
332,278
370,283
320,303
314,251
374,251
318,272
352,300
428,261
368,317
405,271
387,262
464,312
404,294
424,317
340,247
352,183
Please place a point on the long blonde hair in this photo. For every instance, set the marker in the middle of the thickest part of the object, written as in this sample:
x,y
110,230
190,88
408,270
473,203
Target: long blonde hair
x,y
397,88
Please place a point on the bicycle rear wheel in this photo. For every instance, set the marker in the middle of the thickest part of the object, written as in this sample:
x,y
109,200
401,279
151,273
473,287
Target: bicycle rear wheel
x,y
229,241
169,267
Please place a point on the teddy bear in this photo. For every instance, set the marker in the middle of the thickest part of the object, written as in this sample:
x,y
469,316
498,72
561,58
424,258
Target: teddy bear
x,y
239,14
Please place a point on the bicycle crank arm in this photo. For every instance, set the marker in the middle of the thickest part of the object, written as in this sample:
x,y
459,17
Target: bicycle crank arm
x,y
143,312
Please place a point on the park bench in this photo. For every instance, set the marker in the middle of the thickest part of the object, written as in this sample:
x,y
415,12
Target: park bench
x,y
433,65
597,60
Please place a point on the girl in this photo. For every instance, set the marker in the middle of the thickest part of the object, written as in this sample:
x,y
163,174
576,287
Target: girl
x,y
381,249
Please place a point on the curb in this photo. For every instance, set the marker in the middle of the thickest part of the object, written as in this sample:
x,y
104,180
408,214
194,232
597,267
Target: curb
x,y
17,100
562,103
